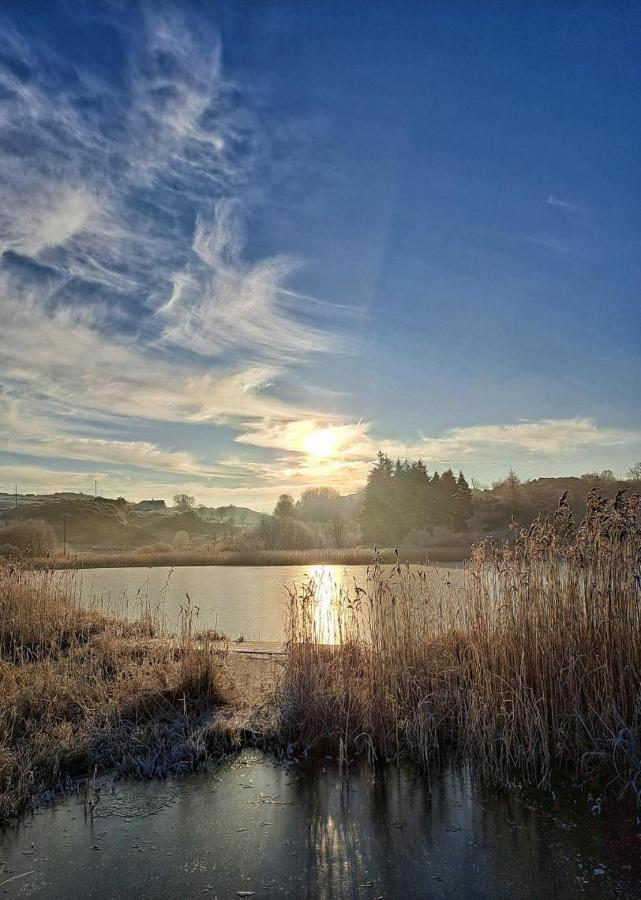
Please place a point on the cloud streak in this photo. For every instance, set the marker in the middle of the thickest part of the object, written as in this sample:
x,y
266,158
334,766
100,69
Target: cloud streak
x,y
218,303
499,445
124,289
561,203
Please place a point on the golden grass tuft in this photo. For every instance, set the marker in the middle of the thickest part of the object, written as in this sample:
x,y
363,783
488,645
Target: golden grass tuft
x,y
533,669
79,688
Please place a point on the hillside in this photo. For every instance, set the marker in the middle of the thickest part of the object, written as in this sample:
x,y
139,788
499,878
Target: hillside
x,y
494,507
102,523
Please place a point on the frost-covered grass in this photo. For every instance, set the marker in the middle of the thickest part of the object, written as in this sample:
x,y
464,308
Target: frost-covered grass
x,y
79,689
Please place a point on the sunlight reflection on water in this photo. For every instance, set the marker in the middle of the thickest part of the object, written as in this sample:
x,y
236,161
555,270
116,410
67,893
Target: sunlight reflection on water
x,y
327,583
247,600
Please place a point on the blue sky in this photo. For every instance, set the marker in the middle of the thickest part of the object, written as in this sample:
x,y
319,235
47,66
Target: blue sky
x,y
225,227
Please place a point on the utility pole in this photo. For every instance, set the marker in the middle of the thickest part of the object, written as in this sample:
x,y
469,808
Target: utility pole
x,y
95,487
16,496
64,533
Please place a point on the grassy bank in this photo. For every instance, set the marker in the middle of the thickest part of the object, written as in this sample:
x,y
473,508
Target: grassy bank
x,y
536,670
357,556
80,691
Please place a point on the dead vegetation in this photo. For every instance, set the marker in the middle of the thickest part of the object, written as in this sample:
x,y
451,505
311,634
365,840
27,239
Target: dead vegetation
x,y
206,556
80,689
535,668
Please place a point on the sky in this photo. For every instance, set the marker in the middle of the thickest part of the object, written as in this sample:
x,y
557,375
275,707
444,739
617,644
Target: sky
x,y
243,246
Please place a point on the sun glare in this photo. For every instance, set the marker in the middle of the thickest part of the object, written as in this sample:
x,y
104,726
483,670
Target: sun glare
x,y
320,442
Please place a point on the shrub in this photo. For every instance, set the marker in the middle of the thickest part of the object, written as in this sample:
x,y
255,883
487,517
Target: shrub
x,y
181,539
283,533
29,537
80,690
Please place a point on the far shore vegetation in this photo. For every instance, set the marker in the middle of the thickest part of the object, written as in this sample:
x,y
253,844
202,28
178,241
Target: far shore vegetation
x,y
403,508
531,673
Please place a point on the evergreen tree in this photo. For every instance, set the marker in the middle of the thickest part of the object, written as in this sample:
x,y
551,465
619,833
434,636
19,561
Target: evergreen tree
x,y
419,497
463,503
377,509
447,491
401,497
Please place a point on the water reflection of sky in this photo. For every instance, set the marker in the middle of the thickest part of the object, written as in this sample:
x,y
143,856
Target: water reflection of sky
x,y
249,825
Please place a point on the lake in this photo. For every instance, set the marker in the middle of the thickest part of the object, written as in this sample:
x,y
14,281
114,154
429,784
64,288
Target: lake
x,y
237,600
249,825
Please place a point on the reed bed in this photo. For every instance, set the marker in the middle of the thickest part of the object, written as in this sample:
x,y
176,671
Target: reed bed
x,y
81,690
534,668
354,556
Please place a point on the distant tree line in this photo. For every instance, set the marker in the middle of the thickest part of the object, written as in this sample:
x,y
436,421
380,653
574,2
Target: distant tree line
x,y
404,505
402,497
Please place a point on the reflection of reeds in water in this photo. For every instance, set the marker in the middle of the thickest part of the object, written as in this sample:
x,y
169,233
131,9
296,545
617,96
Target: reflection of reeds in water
x,y
535,667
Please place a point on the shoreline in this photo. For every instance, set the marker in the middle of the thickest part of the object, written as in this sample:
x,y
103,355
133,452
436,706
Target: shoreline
x,y
258,558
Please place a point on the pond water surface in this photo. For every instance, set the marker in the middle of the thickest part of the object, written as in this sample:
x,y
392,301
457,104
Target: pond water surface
x,y
248,825
237,600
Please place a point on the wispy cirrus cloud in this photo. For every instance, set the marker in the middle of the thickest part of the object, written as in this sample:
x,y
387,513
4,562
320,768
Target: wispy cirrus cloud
x,y
124,288
144,456
546,437
132,298
563,203
50,219
61,358
219,303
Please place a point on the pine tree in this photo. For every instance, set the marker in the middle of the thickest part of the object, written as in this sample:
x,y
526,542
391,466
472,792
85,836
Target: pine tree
x,y
377,510
447,490
463,504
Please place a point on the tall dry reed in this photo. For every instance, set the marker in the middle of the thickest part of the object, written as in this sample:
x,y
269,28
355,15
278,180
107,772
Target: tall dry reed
x,y
532,667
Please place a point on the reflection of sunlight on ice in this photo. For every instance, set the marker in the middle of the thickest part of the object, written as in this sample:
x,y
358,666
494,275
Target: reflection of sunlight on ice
x,y
327,581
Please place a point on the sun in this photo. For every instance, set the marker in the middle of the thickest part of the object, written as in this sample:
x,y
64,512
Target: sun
x,y
320,442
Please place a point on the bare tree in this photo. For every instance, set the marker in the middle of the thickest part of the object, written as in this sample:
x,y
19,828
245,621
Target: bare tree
x,y
634,472
33,537
337,525
184,502
285,508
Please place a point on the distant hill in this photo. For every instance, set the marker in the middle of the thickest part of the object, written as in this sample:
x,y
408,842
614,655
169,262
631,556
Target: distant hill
x,y
494,507
103,523
99,523
241,515
90,521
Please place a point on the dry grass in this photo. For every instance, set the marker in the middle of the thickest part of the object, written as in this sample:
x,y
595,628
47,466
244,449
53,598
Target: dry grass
x,y
349,556
80,689
208,557
534,669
